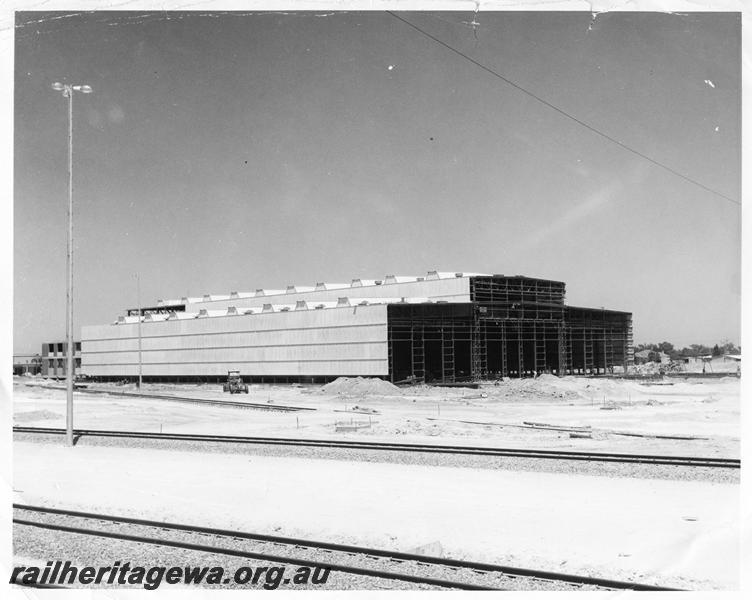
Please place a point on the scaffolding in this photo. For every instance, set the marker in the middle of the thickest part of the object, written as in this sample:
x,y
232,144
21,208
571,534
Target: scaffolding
x,y
601,339
430,342
512,327
524,317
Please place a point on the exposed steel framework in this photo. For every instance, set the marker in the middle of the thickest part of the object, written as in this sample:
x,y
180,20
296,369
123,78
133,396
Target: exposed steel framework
x,y
512,327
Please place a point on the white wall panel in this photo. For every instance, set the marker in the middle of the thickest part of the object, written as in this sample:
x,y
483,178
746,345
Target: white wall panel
x,y
337,341
323,368
154,339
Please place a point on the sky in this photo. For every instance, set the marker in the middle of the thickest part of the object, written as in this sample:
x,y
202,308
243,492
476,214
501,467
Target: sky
x,y
229,152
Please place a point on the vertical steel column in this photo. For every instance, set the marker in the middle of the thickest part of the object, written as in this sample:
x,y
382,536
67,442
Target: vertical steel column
x,y
504,368
70,364
138,299
562,350
475,362
520,351
390,350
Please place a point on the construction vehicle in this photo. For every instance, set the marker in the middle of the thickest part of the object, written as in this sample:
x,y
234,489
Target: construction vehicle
x,y
235,383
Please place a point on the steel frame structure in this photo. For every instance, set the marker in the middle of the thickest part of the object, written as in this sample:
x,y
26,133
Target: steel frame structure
x,y
512,327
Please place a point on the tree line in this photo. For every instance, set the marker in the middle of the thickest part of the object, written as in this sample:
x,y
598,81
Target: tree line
x,y
691,351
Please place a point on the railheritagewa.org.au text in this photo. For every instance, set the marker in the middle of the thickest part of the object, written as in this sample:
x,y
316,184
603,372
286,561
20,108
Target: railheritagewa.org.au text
x,y
59,573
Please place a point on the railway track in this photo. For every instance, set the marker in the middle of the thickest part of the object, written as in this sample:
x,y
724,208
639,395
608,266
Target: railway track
x,y
354,560
183,399
685,461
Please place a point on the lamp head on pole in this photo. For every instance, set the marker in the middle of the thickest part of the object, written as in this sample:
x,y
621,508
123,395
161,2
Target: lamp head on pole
x,y
69,89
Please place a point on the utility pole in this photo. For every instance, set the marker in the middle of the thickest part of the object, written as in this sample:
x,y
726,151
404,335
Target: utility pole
x,y
67,91
70,343
138,299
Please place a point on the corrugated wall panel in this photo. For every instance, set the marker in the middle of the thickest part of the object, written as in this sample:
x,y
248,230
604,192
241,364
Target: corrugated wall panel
x,y
153,337
322,368
357,350
338,341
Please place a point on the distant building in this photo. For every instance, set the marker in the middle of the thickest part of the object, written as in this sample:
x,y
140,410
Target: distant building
x,y
27,364
54,362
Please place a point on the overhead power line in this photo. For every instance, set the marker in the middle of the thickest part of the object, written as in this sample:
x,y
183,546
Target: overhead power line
x,y
563,112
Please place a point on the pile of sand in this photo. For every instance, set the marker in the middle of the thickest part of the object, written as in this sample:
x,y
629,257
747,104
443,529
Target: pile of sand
x,y
425,389
361,386
552,388
544,387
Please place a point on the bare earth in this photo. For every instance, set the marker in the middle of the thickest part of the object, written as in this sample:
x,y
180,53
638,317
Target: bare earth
x,y
681,533
707,410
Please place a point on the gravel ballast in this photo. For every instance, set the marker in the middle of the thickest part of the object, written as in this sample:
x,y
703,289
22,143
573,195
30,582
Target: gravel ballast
x,y
87,550
579,467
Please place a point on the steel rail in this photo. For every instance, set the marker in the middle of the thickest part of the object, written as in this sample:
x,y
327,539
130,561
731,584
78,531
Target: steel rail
x,y
579,580
184,399
693,461
253,555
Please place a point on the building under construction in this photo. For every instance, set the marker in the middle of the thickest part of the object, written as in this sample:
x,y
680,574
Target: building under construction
x,y
444,327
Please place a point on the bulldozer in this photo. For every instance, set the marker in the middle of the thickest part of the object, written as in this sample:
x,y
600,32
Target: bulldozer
x,y
234,383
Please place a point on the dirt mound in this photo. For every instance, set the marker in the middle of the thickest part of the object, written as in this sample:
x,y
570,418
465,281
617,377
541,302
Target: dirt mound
x,y
361,386
35,415
425,389
547,378
542,388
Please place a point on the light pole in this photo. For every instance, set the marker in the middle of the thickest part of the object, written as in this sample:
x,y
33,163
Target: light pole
x,y
67,91
138,299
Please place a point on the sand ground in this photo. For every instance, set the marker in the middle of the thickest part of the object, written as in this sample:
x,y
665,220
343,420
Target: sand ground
x,y
705,410
681,533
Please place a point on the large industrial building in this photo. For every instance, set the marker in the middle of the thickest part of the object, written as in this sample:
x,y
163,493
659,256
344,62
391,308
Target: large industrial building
x,y
54,359
443,327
